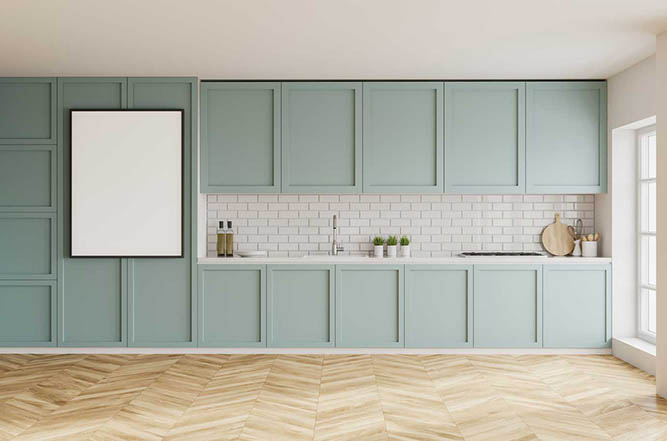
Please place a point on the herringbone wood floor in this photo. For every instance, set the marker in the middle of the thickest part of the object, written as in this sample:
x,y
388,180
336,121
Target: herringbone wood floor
x,y
332,397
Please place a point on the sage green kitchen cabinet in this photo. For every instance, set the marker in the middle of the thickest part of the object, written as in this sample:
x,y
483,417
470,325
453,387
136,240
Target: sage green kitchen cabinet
x,y
232,305
566,137
321,137
27,313
27,246
369,305
27,178
301,305
508,306
27,111
167,282
240,137
577,306
438,306
92,292
403,137
484,137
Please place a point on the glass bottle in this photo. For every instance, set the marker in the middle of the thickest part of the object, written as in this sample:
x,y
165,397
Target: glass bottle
x,y
229,240
222,239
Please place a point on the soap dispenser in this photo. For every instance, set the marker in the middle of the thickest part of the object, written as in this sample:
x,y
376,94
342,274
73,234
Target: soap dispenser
x,y
222,239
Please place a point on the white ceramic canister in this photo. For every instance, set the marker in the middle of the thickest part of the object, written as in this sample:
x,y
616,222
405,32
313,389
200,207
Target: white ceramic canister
x,y
378,250
589,248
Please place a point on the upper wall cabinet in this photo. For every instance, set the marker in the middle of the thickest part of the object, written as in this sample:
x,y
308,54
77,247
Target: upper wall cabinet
x,y
484,137
566,137
403,137
27,111
240,137
321,137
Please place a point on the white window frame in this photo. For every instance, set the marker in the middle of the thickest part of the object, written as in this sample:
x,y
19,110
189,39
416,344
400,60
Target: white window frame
x,y
641,332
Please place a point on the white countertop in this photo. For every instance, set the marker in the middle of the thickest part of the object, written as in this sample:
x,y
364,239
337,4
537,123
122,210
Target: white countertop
x,y
320,259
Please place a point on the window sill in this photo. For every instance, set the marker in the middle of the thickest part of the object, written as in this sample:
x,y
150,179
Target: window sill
x,y
635,351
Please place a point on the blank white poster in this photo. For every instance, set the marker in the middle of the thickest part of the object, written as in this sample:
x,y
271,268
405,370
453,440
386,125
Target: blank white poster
x,y
126,183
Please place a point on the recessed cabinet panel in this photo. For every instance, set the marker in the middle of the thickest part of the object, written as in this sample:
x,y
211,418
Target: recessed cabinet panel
x,y
27,313
321,132
484,137
403,137
438,306
167,282
27,111
92,292
577,306
566,141
240,137
232,305
508,306
300,305
27,178
369,305
27,246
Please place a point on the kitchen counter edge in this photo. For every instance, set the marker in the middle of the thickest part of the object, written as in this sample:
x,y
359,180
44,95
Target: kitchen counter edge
x,y
402,260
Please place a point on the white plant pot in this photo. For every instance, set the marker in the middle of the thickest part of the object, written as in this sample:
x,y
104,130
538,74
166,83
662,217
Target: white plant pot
x,y
391,250
589,248
378,250
405,250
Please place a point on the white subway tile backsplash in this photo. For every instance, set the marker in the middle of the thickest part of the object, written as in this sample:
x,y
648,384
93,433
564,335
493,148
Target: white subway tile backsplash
x,y
438,224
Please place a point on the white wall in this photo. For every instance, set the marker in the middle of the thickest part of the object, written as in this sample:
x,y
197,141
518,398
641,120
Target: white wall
x,y
631,98
661,346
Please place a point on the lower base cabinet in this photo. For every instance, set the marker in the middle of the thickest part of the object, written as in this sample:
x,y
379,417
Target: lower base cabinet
x,y
438,306
508,306
232,305
300,305
577,306
369,305
27,313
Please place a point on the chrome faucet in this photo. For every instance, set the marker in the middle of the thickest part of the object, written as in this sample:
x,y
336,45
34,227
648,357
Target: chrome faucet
x,y
335,248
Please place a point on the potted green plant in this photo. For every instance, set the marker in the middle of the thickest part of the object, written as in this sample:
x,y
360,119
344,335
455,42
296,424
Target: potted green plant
x,y
405,246
392,241
378,246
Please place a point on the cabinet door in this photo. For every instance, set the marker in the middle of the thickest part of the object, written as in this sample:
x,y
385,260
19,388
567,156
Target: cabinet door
x,y
240,137
577,306
508,306
166,282
300,305
232,305
321,137
27,110
27,246
92,292
484,137
27,178
27,313
438,306
369,305
566,137
403,137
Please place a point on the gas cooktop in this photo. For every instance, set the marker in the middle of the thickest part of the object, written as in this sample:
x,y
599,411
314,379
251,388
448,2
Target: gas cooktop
x,y
501,254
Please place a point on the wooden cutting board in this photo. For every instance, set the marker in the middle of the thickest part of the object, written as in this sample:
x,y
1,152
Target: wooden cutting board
x,y
557,239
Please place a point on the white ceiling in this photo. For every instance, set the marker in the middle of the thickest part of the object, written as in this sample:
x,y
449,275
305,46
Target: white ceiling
x,y
321,39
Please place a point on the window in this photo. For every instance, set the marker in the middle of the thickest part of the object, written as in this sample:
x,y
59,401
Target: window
x,y
646,223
